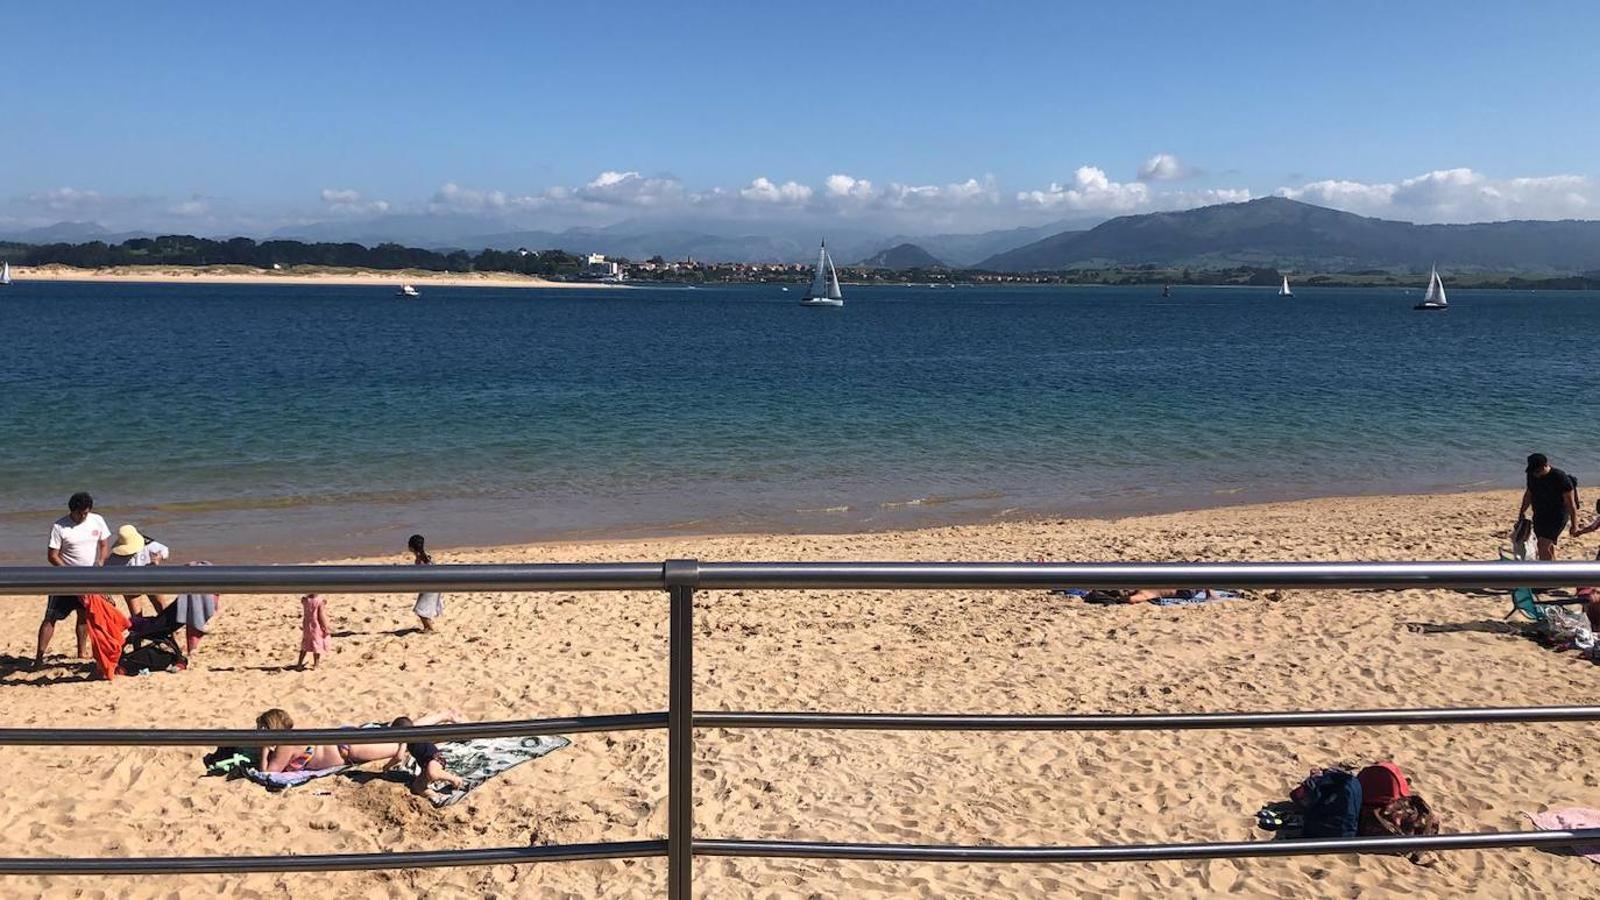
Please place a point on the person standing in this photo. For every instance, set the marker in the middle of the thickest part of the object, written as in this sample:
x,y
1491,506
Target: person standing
x,y
430,604
79,538
1553,496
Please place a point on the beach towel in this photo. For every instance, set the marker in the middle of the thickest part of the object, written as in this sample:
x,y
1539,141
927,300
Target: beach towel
x,y
479,760
107,629
1196,598
195,610
1571,818
277,781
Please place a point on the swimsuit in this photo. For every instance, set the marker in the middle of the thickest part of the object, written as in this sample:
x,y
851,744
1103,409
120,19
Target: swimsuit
x,y
299,761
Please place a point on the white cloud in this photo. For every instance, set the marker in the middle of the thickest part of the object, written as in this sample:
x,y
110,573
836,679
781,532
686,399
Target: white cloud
x,y
1458,195
630,189
1092,191
78,201
453,198
847,187
762,190
1165,167
194,206
347,201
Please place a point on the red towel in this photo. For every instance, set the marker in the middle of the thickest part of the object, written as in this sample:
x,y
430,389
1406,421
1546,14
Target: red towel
x,y
108,628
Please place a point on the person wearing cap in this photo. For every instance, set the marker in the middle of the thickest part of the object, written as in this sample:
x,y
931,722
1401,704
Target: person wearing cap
x,y
1552,495
134,549
78,538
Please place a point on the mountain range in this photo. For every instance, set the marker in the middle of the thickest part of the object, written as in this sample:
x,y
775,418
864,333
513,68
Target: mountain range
x,y
1281,233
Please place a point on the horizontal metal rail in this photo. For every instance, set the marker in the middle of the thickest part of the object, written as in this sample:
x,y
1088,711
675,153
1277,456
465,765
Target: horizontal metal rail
x,y
1375,575
1143,852
255,737
331,862
38,580
329,579
1144,721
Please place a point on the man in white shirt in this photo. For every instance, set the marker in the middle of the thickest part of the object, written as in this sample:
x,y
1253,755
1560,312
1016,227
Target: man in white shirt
x,y
79,538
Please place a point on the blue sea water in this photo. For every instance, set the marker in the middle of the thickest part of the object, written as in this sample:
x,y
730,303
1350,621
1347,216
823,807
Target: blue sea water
x,y
270,422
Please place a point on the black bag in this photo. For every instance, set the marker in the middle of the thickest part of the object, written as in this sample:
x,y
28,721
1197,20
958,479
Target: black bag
x,y
156,656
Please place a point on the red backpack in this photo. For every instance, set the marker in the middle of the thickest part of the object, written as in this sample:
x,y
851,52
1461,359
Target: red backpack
x,y
1382,784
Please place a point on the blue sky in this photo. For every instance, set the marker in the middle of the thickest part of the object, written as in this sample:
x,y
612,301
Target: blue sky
x,y
956,116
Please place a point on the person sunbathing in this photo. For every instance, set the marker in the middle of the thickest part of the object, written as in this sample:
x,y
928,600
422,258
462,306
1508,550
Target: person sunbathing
x,y
312,757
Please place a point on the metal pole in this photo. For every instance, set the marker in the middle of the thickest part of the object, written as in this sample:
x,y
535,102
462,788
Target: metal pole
x,y
680,577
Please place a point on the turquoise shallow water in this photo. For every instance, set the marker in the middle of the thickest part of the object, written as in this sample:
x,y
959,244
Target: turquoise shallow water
x,y
275,422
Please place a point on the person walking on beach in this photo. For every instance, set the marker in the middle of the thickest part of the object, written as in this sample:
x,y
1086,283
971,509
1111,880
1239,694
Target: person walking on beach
x,y
79,538
313,629
1553,496
134,549
429,605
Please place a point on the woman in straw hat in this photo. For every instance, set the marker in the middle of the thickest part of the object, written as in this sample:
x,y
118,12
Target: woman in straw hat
x,y
134,549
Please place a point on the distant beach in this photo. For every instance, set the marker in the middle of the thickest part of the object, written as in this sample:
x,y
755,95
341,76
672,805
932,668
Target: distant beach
x,y
321,275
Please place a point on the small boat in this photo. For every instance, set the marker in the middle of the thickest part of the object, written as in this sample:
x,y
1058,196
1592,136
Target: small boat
x,y
784,289
1434,298
407,290
5,273
824,289
1284,291
1166,290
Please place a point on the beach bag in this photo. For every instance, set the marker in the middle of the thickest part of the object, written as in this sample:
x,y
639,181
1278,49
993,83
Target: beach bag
x,y
1522,538
1331,801
158,656
1381,784
1403,816
1564,627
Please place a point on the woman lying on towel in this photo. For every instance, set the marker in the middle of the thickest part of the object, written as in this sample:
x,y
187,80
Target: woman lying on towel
x,y
309,757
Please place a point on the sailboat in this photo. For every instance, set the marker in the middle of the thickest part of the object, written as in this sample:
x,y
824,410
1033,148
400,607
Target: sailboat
x,y
5,273
824,289
1434,299
1284,291
407,290
1166,290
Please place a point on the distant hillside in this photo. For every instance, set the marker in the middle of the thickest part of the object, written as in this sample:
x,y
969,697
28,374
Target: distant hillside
x,y
903,256
1282,233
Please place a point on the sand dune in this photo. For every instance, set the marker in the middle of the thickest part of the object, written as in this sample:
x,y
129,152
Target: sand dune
x,y
533,655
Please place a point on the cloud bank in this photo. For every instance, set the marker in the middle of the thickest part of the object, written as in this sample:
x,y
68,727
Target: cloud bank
x,y
973,204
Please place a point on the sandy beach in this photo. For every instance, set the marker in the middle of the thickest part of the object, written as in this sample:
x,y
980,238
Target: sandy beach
x,y
516,656
294,275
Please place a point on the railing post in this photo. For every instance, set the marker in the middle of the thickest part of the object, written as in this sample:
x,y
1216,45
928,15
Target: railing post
x,y
681,576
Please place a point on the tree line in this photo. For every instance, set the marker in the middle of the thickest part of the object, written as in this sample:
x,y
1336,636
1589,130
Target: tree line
x,y
187,250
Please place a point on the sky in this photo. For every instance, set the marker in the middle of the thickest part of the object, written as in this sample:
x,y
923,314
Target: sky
x,y
918,117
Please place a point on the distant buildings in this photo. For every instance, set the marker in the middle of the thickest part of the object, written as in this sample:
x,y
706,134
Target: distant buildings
x,y
598,268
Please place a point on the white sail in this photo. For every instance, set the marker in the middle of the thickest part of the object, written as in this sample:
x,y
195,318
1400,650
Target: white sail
x,y
1435,293
819,281
1284,291
5,273
833,279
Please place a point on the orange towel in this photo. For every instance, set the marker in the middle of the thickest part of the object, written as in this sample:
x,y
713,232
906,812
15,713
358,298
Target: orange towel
x,y
108,627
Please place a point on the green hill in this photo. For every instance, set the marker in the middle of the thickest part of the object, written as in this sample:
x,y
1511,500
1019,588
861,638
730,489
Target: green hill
x,y
1281,233
903,256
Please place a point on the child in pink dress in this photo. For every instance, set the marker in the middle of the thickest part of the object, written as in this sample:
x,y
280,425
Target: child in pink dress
x,y
313,629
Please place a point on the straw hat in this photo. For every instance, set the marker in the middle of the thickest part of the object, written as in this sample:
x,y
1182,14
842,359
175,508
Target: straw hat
x,y
129,541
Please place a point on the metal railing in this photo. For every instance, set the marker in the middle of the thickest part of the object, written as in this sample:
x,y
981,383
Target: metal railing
x,y
682,579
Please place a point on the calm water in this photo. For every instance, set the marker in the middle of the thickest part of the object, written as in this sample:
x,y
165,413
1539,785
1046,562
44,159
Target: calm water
x,y
249,422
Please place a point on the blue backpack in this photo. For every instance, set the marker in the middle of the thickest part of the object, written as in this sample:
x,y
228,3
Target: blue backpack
x,y
1331,801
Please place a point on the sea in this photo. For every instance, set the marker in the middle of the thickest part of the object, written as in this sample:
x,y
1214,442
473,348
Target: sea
x,y
264,423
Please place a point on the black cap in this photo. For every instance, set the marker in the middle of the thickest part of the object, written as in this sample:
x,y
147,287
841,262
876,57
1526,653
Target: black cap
x,y
1537,462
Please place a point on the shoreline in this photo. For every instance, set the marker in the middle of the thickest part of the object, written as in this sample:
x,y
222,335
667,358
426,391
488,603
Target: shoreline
x,y
452,523
298,275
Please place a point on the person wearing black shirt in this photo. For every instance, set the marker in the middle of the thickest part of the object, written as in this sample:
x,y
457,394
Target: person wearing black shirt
x,y
1552,495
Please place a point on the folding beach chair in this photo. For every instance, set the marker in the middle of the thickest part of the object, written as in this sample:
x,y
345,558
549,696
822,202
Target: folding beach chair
x,y
1525,601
